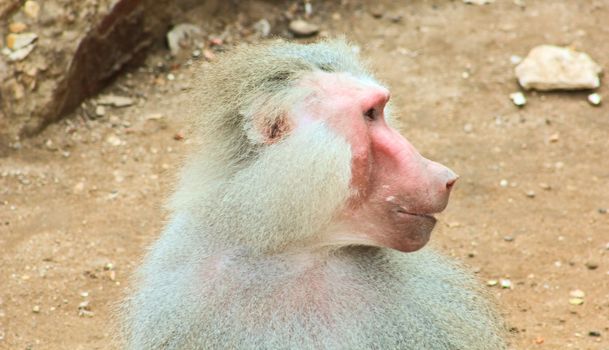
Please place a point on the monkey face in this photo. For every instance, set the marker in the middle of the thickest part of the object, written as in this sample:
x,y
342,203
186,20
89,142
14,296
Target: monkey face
x,y
396,191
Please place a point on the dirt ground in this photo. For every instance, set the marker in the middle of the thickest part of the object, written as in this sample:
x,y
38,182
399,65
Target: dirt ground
x,y
80,202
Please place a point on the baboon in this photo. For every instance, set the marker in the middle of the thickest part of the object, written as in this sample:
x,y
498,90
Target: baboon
x,y
297,222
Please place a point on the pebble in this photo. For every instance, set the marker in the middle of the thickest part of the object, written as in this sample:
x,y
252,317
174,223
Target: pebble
x,y
468,128
504,183
549,67
492,283
594,334
518,98
31,9
36,309
16,41
554,138
545,186
577,293
115,101
576,301
17,27
178,36
602,210
100,111
530,194
595,99
591,265
178,136
301,28
508,238
113,140
505,283
262,27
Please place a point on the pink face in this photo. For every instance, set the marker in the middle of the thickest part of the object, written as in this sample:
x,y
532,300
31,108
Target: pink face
x,y
396,190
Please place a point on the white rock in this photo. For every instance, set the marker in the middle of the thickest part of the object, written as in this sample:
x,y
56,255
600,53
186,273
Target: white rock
x,y
303,28
22,53
263,27
18,41
518,98
595,99
550,67
177,36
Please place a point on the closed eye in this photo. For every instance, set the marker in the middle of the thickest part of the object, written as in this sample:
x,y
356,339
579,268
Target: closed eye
x,y
370,114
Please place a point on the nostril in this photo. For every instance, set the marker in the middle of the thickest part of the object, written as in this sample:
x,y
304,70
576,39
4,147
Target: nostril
x,y
451,183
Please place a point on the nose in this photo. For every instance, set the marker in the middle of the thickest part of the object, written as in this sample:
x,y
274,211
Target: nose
x,y
451,180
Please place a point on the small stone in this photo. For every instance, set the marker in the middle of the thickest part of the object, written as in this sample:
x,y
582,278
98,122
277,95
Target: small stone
x,y
591,265
113,140
468,128
209,55
262,27
577,293
178,136
84,305
79,187
594,334
505,283
545,186
181,36
36,309
504,183
554,137
171,77
478,2
100,111
114,121
17,27
377,11
216,42
595,99
31,9
508,238
18,41
518,98
602,210
576,301
115,101
550,67
301,28
109,266
530,194
492,283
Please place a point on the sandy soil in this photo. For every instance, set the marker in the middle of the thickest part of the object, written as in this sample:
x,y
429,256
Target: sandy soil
x,y
80,202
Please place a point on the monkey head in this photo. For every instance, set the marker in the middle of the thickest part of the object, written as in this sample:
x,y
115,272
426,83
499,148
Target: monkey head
x,y
327,169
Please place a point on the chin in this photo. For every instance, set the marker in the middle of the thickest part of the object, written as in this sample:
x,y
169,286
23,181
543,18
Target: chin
x,y
413,234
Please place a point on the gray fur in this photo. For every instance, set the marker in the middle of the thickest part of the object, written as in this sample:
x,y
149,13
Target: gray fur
x,y
237,266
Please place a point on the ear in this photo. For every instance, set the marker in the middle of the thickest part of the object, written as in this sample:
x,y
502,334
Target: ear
x,y
268,128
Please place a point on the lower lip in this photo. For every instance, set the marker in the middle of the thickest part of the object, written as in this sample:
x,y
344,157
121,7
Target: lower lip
x,y
422,216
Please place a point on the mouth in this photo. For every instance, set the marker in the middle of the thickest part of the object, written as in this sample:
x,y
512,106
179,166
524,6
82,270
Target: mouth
x,y
403,212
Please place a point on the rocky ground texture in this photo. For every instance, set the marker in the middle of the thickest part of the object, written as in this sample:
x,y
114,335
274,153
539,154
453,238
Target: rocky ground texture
x,y
80,201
